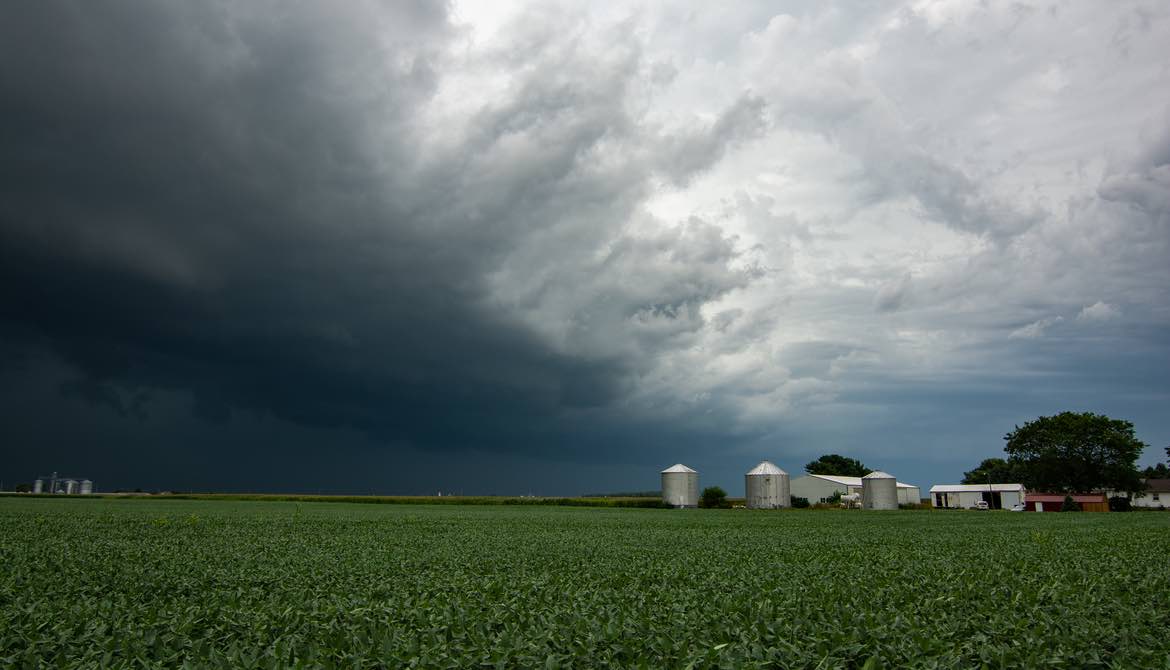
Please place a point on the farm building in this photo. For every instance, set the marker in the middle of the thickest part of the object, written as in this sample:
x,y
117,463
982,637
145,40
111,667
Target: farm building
x,y
680,486
965,496
879,490
1052,502
766,487
1157,494
819,488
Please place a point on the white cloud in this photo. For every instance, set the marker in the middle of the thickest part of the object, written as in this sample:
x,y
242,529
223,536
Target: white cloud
x,y
1036,329
1098,311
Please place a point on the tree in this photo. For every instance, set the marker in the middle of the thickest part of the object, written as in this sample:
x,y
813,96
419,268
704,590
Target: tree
x,y
991,470
833,464
1157,471
1070,505
1073,452
713,496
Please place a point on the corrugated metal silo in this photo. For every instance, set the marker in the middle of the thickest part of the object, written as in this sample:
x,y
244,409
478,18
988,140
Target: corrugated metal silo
x,y
766,487
86,487
879,490
680,486
70,486
38,486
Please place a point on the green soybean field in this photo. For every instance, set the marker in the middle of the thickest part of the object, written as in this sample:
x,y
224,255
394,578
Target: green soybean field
x,y
88,583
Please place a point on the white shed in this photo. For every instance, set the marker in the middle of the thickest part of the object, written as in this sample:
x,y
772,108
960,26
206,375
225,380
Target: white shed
x,y
965,496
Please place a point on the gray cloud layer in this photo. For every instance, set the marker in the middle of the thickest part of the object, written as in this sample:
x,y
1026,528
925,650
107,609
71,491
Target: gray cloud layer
x,y
616,236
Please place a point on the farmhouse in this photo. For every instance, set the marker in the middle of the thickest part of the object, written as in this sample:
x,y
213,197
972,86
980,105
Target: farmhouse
x,y
819,488
1156,495
966,496
1052,502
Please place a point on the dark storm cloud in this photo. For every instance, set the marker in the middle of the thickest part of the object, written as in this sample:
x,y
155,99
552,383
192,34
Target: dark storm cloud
x,y
237,202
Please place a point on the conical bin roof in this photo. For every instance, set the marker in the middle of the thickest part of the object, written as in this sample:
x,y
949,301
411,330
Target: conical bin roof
x,y
766,468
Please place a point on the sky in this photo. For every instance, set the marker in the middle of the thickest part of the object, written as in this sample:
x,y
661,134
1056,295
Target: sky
x,y
553,248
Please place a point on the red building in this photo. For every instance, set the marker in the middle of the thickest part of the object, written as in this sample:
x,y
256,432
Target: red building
x,y
1052,502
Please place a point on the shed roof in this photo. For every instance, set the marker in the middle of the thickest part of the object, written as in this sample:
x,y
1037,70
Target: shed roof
x,y
854,481
878,474
766,468
1059,497
974,488
678,467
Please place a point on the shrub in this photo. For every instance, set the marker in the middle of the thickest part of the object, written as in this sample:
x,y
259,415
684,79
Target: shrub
x,y
799,503
713,497
1070,505
1119,504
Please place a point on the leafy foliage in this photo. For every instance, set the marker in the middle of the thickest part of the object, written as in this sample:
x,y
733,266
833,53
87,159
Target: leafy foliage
x,y
1073,452
835,464
993,470
1070,505
713,497
174,583
1120,504
799,503
1157,471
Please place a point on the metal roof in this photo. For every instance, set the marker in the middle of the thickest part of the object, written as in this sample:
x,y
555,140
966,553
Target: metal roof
x,y
766,468
855,481
1157,485
974,488
878,474
678,467
1059,497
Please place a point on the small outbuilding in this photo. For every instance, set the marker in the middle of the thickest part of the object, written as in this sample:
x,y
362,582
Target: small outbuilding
x,y
1052,502
967,496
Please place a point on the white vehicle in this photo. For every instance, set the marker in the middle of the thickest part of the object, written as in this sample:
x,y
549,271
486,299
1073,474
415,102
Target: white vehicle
x,y
982,504
1017,508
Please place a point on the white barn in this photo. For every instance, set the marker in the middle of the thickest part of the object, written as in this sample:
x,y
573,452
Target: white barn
x,y
965,496
819,488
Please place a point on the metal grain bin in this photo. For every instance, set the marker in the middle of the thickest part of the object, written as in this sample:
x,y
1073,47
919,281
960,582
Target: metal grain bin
x,y
86,487
680,486
38,486
879,490
766,487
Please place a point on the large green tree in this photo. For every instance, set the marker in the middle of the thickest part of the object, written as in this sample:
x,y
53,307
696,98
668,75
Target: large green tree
x,y
834,464
992,470
1072,452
